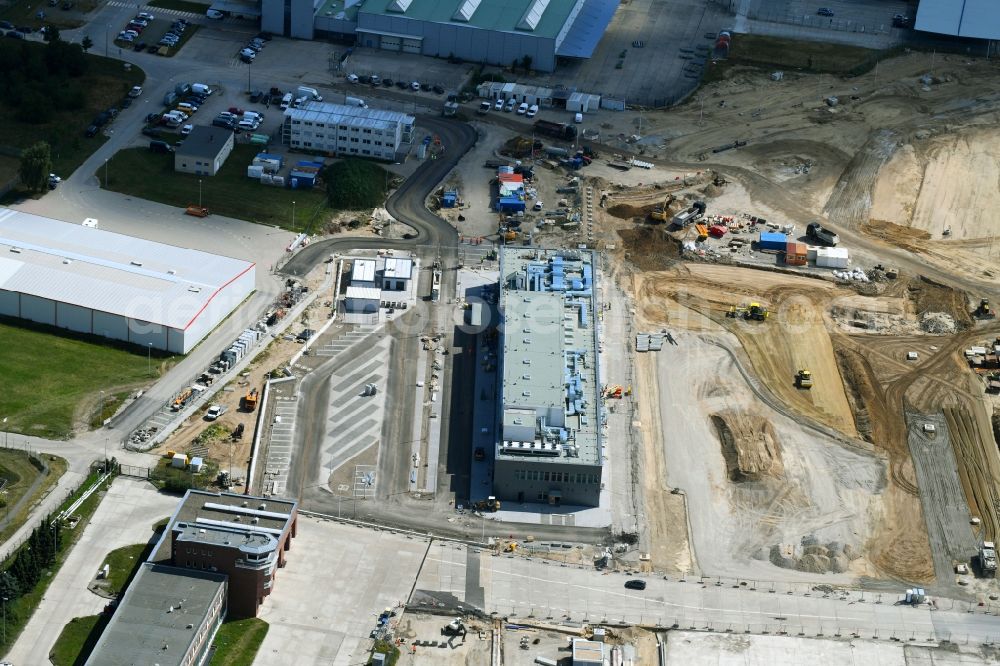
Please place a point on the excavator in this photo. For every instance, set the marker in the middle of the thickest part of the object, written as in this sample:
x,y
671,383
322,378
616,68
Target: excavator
x,y
803,379
984,311
660,213
754,312
489,505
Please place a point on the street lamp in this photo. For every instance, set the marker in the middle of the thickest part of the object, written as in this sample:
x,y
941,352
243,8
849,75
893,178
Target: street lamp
x,y
199,193
106,172
100,415
293,217
5,432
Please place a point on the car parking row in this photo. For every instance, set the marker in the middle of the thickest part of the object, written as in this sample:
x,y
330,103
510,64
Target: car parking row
x,y
376,81
131,36
109,115
249,52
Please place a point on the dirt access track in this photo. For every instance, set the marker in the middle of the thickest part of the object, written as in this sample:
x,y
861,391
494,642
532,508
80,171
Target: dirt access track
x,y
900,160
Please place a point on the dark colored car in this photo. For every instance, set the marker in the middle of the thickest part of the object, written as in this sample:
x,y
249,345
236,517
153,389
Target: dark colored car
x,y
402,84
255,96
112,113
151,131
438,88
824,11
6,25
305,335
222,122
387,83
635,584
14,34
25,29
91,131
141,46
102,119
126,102
152,117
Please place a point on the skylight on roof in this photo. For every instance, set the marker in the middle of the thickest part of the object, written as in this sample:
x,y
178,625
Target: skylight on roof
x,y
466,11
399,6
533,16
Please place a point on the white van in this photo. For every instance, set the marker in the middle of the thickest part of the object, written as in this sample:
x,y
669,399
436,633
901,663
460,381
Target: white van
x,y
300,102
511,105
286,101
247,125
311,93
484,107
532,110
523,109
578,118
201,89
498,105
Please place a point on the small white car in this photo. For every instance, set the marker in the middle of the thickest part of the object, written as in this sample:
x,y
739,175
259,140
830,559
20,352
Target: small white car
x,y
146,16
135,92
511,105
187,129
352,78
214,412
415,85
523,109
498,105
214,14
538,205
578,118
248,53
532,111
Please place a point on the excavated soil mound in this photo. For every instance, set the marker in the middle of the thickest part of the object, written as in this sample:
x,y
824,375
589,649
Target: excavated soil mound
x,y
749,446
626,211
649,248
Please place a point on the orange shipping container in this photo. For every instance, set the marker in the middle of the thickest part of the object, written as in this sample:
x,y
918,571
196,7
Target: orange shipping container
x,y
796,254
702,231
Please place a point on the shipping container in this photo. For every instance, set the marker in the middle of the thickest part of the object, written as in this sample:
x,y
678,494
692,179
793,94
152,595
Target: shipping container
x,y
796,254
772,242
832,257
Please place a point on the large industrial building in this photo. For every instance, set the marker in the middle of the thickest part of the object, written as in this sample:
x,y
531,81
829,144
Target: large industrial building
x,y
337,130
978,19
550,447
492,31
87,280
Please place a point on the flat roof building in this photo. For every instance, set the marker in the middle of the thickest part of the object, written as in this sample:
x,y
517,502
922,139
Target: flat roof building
x,y
204,150
978,19
87,280
167,616
241,536
550,447
339,130
491,31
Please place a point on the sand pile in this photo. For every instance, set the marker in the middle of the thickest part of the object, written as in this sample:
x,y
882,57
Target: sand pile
x,y
749,445
811,556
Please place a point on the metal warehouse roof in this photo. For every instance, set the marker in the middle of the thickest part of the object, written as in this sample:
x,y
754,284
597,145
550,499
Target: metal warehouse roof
x,y
109,272
964,18
587,29
534,17
364,293
398,268
345,111
363,270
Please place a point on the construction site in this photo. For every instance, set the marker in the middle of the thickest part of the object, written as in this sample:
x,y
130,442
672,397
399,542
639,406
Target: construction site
x,y
817,419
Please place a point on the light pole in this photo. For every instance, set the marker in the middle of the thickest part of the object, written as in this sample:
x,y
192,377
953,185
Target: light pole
x,y
199,193
5,432
106,172
149,358
293,217
5,620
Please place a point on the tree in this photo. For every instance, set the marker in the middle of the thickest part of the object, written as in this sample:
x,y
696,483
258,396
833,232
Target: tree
x,y
526,63
9,587
513,65
355,184
36,164
86,43
51,33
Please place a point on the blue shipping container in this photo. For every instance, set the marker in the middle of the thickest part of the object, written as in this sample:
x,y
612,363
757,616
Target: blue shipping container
x,y
772,241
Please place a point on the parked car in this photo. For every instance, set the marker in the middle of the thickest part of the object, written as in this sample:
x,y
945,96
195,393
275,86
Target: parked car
x,y
14,34
92,130
248,53
266,36
824,11
510,105
146,16
126,102
352,78
6,25
214,412
139,47
415,85
498,104
151,132
438,89
187,129
387,82
135,91
402,85
224,122
54,181
214,14
141,21
375,80
256,96
635,584
522,109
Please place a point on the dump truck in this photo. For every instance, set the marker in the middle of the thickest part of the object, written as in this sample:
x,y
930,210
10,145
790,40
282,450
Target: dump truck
x,y
690,215
450,107
491,504
988,559
250,400
803,379
821,234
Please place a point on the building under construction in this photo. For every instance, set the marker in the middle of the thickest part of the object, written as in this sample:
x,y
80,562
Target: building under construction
x,y
550,447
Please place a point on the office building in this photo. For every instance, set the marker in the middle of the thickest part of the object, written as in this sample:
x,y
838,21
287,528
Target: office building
x,y
339,130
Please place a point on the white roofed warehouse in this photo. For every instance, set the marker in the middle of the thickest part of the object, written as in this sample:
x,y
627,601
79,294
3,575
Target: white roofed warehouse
x,y
92,281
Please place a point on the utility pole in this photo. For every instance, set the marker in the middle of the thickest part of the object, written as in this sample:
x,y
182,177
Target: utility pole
x,y
199,193
293,217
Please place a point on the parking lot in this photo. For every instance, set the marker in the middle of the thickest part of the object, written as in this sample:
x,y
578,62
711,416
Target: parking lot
x,y
848,15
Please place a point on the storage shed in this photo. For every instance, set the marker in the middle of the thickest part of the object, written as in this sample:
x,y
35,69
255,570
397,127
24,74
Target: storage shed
x,y
832,257
449,199
772,242
796,254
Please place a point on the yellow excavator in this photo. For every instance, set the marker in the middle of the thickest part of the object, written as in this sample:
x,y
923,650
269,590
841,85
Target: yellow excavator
x,y
754,312
660,213
803,379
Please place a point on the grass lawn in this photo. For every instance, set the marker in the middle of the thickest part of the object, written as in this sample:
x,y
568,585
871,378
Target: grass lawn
x,y
48,373
390,651
19,611
20,473
237,642
181,5
780,53
148,175
77,639
106,83
23,13
122,564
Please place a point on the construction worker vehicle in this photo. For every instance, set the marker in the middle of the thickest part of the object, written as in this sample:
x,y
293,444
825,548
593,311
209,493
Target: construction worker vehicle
x,y
821,234
661,213
691,215
984,311
753,312
988,559
803,379
489,505
250,400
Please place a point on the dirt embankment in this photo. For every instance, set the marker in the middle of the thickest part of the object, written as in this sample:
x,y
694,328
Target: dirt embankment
x,y
649,248
749,445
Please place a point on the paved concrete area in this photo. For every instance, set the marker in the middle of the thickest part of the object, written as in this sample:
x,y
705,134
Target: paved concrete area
x,y
326,600
516,586
125,516
280,434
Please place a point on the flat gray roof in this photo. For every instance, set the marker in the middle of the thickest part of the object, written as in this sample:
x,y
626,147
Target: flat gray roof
x,y
204,141
542,18
354,116
550,356
158,617
109,272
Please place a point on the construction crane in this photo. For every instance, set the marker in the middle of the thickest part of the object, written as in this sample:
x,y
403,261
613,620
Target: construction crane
x,y
803,379
660,213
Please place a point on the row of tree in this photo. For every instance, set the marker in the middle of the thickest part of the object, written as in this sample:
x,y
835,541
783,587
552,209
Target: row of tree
x,y
37,81
37,554
35,167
